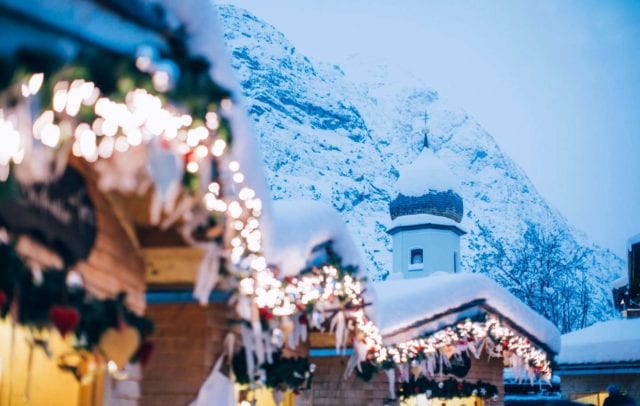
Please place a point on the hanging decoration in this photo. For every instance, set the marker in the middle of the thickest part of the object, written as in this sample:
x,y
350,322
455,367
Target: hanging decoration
x,y
54,298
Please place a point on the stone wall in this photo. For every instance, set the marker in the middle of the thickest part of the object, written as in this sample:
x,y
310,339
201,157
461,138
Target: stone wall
x,y
582,384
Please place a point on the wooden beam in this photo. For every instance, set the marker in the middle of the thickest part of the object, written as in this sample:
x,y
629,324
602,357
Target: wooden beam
x,y
171,266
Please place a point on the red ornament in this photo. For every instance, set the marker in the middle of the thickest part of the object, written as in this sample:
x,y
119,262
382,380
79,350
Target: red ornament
x,y
459,386
188,157
303,319
265,313
416,389
144,352
3,299
65,318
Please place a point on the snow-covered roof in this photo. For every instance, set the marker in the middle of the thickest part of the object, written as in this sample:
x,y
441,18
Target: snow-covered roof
x,y
204,33
612,341
632,241
426,173
300,225
421,219
408,308
620,282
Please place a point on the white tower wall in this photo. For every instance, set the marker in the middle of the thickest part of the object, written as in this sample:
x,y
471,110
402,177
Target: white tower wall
x,y
440,251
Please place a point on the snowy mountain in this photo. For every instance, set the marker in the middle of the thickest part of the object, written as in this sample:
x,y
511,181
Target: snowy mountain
x,y
327,137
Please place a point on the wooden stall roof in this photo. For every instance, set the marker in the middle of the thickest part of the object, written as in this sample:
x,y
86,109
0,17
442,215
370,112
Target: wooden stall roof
x,y
170,262
115,263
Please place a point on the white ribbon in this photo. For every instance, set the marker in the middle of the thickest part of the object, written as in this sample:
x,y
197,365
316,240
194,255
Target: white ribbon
x,y
339,325
391,380
208,274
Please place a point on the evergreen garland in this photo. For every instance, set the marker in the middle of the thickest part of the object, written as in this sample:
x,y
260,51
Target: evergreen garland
x,y
33,299
283,373
447,389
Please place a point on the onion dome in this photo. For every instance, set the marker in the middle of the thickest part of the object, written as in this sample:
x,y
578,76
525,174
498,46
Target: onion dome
x,y
427,186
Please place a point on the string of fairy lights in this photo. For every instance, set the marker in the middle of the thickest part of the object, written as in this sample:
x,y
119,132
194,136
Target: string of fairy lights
x,y
328,283
115,126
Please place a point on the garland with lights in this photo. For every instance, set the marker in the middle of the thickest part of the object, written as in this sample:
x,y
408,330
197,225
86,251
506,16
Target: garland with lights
x,y
282,373
39,299
157,119
330,296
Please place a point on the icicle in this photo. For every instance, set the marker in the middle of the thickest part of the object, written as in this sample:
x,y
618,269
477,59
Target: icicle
x,y
304,332
338,324
247,342
229,343
423,368
258,343
186,203
391,380
476,347
268,348
359,355
286,326
243,307
431,365
278,396
166,171
208,274
404,372
317,317
294,337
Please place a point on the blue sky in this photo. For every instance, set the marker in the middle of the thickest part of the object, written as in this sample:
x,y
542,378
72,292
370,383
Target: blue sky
x,y
557,83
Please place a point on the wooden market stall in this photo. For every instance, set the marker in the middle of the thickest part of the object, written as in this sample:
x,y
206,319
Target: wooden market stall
x,y
114,265
108,111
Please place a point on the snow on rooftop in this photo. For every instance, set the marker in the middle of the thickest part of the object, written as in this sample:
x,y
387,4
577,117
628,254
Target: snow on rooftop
x,y
408,308
298,226
204,38
420,219
632,241
620,282
427,172
605,342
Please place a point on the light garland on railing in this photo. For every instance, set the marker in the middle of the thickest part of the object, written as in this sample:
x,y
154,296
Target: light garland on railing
x,y
328,290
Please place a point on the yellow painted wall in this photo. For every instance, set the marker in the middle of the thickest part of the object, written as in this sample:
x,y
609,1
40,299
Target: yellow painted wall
x,y
264,397
42,383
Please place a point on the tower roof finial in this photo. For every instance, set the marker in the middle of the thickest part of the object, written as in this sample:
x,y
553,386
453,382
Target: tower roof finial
x,y
425,131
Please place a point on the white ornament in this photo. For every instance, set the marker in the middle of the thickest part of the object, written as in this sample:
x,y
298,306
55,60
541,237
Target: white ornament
x,y
74,280
166,172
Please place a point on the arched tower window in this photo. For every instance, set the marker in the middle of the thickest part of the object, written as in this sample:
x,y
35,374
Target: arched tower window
x,y
455,262
416,256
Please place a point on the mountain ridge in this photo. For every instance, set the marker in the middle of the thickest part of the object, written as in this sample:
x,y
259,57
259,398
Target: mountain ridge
x,y
325,137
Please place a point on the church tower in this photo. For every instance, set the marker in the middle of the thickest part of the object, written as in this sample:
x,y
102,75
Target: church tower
x,y
425,218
